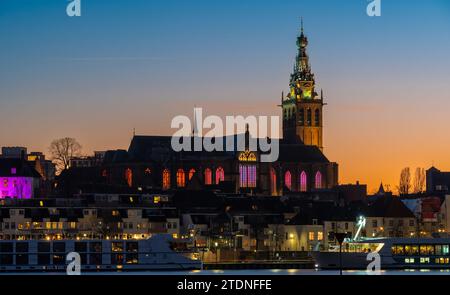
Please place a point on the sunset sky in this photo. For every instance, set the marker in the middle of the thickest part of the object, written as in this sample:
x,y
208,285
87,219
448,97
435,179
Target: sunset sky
x,y
137,64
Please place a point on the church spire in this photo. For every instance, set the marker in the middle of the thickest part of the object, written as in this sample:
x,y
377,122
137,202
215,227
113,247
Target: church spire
x,y
302,25
302,70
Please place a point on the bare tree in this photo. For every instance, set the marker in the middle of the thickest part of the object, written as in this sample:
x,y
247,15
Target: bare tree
x,y
63,150
405,182
419,180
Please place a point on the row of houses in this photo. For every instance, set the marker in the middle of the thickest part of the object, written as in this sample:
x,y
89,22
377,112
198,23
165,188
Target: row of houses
x,y
214,221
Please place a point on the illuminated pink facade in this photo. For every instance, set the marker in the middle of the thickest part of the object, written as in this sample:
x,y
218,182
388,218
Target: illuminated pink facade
x,y
16,187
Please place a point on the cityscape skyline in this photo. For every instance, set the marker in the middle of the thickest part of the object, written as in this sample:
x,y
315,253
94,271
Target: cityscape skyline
x,y
86,81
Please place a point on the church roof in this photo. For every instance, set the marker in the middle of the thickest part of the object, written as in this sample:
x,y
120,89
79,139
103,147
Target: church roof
x,y
301,153
149,147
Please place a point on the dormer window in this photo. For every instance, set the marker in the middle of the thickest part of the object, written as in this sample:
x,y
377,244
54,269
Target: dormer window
x,y
14,171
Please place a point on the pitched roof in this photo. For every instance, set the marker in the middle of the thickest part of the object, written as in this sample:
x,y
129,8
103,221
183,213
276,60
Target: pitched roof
x,y
389,206
301,153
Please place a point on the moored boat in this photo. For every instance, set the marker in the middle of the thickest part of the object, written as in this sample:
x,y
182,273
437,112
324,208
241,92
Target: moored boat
x,y
395,253
160,252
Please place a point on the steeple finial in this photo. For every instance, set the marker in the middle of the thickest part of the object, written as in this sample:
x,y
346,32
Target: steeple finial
x,y
302,24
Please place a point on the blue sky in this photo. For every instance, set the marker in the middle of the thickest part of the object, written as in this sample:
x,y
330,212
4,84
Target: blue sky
x,y
136,64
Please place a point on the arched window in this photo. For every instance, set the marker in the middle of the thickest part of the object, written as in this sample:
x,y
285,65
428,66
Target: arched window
x,y
181,179
317,118
247,176
301,116
220,175
318,182
191,173
288,180
166,179
129,177
309,119
303,182
273,181
208,176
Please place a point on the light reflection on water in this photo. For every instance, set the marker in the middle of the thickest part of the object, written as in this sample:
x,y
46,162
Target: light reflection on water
x,y
304,272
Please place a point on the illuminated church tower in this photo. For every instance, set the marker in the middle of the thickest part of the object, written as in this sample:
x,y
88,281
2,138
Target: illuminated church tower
x,y
302,107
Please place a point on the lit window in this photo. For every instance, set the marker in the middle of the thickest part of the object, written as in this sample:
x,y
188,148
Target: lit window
x,y
13,171
191,173
247,176
208,176
445,249
273,181
148,171
288,180
181,179
129,177
320,236
220,175
311,236
318,180
104,173
303,182
247,156
166,179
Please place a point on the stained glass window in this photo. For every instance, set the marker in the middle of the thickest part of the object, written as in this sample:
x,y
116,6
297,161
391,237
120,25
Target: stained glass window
x,y
273,181
303,182
247,176
208,176
220,175
166,179
181,179
318,180
191,173
129,177
288,180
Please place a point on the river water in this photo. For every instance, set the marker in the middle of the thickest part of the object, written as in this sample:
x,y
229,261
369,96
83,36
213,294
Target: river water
x,y
268,272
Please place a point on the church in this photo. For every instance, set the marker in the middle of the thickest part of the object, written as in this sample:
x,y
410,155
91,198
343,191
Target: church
x,y
150,164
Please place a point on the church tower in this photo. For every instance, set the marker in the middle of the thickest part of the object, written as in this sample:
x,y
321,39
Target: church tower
x,y
302,107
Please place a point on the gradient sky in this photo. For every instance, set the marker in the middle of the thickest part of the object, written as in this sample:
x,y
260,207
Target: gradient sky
x,y
137,64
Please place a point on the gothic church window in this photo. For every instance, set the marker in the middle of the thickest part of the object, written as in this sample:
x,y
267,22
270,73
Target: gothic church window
x,y
288,180
191,173
181,178
129,177
247,176
303,182
220,175
166,179
318,182
208,176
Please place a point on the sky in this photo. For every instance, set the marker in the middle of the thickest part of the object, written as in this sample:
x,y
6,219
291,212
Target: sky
x,y
125,65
